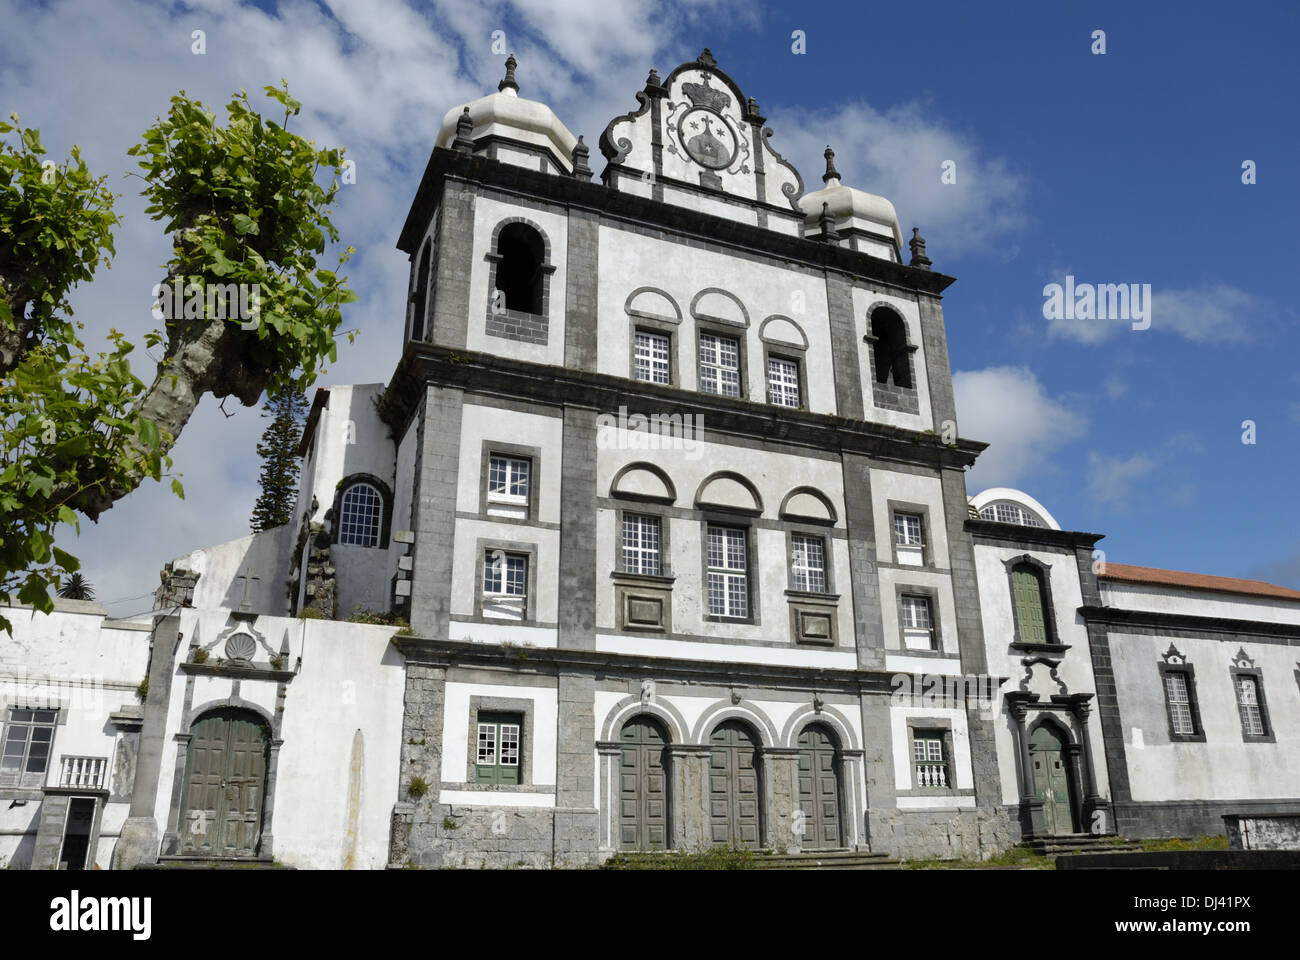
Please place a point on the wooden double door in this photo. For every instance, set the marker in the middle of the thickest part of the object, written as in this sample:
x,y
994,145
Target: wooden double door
x,y
819,789
225,783
1052,779
735,803
643,785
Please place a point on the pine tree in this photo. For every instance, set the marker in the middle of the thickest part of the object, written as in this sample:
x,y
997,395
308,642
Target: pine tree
x,y
279,452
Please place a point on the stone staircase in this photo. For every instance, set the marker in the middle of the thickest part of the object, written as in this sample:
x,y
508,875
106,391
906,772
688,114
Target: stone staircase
x,y
761,860
1065,844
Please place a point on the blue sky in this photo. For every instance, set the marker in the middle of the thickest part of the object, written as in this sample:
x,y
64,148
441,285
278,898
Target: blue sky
x,y
1115,168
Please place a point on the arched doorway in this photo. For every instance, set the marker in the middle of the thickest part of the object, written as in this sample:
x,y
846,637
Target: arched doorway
x,y
735,807
643,785
1052,778
819,788
225,780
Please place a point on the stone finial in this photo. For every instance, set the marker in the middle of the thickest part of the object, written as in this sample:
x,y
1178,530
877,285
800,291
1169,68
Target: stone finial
x,y
831,173
653,79
917,245
509,82
705,59
463,143
827,224
579,157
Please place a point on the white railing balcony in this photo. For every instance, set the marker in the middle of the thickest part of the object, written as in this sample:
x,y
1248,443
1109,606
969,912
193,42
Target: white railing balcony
x,y
83,772
932,775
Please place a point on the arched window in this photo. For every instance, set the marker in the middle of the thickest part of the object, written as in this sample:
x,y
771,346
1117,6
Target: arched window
x,y
421,300
1032,605
893,360
1003,511
519,272
361,514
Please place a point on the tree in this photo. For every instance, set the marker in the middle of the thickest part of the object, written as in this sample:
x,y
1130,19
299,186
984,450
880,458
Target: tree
x,y
244,208
279,452
77,587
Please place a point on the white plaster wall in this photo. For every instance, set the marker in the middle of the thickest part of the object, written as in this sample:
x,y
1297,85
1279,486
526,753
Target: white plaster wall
x,y
887,485
466,584
894,583
961,766
349,678
1199,603
1075,669
455,734
630,260
1224,767
265,555
494,424
487,214
864,299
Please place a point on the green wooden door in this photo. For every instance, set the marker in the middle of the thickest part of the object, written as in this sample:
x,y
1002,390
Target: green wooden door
x,y
735,818
500,742
1027,589
1051,780
819,788
225,779
643,785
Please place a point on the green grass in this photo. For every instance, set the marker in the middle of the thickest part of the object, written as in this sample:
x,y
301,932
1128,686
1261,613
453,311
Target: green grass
x,y
718,858
1162,844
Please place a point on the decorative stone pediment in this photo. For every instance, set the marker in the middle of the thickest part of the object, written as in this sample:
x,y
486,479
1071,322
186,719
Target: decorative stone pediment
x,y
696,128
1173,657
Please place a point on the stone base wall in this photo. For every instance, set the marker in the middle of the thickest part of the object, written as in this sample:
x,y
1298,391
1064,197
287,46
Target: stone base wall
x,y
941,834
1193,818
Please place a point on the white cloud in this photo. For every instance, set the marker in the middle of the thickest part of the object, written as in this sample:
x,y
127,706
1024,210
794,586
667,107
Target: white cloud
x,y
1007,408
899,154
1207,314
1111,479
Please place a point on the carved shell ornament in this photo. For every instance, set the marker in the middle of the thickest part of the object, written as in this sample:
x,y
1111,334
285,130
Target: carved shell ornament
x,y
240,646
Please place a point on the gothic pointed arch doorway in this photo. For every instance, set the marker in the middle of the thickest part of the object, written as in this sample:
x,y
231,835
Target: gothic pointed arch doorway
x,y
819,788
643,785
224,785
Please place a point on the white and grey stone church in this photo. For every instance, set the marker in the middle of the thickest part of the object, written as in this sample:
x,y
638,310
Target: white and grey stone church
x,y
657,539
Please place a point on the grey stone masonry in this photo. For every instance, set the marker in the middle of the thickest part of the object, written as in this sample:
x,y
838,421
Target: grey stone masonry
x,y
516,325
415,818
577,615
878,766
934,341
858,517
891,396
581,332
844,346
575,814
455,258
435,520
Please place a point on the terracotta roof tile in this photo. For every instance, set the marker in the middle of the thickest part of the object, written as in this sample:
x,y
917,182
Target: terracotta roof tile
x,y
1195,581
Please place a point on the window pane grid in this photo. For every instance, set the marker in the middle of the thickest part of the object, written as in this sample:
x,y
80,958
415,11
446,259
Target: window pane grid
x,y
1252,720
508,478
1180,708
652,357
505,574
808,564
907,529
487,743
360,514
641,544
510,744
916,613
728,580
719,365
28,737
783,382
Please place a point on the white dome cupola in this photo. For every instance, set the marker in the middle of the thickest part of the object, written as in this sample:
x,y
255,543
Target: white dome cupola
x,y
504,126
859,220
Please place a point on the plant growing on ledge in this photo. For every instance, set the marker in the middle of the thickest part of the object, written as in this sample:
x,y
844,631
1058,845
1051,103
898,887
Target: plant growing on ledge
x,y
277,663
199,656
417,788
142,691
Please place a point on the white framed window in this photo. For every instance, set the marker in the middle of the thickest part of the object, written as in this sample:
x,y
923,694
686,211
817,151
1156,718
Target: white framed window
x,y
719,365
808,563
909,540
653,357
917,622
28,740
1252,717
505,585
1004,512
783,382
508,485
728,572
497,759
1180,704
361,513
928,759
642,544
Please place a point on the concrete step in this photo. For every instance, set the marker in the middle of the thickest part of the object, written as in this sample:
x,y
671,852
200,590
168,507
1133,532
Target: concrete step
x,y
764,860
1080,843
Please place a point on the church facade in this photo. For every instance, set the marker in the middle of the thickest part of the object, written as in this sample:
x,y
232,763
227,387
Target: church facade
x,y
657,539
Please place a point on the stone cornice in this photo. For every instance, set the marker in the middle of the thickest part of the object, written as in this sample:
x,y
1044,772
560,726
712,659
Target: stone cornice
x,y
483,373
1118,616
615,204
991,531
